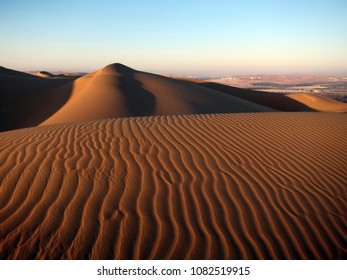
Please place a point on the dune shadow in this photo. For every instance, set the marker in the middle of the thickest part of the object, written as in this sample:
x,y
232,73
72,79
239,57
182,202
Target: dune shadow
x,y
28,102
52,101
273,100
140,102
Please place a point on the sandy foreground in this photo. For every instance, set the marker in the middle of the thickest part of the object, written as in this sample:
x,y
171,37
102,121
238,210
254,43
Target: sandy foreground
x,y
249,181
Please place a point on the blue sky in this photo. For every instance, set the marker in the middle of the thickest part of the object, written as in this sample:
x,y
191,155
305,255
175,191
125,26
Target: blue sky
x,y
178,37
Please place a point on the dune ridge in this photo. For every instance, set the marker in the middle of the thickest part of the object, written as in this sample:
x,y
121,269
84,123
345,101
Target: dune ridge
x,y
208,186
120,91
46,74
26,100
281,102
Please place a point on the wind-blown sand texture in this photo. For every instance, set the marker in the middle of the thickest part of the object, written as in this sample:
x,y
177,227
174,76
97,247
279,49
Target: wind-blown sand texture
x,y
213,186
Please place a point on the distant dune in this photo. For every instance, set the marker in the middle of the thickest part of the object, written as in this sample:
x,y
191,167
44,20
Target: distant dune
x,y
123,164
281,102
224,186
119,91
319,103
44,74
7,73
27,100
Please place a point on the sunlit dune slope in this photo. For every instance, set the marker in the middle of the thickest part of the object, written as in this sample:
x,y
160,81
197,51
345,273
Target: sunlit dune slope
x,y
223,186
119,91
319,103
281,102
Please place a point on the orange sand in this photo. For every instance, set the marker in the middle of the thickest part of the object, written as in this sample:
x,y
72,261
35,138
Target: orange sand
x,y
185,182
224,186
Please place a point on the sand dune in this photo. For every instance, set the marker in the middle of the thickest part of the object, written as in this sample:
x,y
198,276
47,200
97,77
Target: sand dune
x,y
319,103
220,186
119,91
44,74
281,102
24,98
13,73
184,182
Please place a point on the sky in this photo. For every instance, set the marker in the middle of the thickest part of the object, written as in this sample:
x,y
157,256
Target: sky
x,y
180,37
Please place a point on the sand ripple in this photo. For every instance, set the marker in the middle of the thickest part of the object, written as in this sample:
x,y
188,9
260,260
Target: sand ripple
x,y
223,186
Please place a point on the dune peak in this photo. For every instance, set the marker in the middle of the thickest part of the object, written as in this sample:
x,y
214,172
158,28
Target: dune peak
x,y
118,68
44,74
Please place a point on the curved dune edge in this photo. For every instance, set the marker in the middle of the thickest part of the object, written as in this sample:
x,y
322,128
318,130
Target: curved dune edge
x,y
223,186
319,103
44,74
119,91
300,102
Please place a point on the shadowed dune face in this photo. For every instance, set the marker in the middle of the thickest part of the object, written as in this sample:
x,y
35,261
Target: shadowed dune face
x,y
178,97
179,184
276,101
286,103
224,186
27,100
44,74
139,101
119,91
13,73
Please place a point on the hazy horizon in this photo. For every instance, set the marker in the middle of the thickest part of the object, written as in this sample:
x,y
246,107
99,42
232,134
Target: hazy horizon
x,y
186,73
181,38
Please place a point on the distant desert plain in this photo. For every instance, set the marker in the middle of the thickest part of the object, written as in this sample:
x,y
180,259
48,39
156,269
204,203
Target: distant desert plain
x,y
124,164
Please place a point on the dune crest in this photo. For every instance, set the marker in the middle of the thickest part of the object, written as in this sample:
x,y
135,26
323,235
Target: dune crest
x,y
221,186
189,179
44,74
27,100
120,91
320,103
281,102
